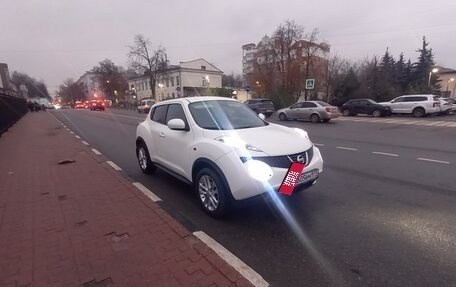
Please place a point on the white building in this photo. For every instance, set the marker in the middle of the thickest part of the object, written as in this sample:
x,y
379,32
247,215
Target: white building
x,y
193,78
91,85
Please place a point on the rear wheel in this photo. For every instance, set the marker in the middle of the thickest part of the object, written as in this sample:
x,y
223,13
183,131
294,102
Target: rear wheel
x,y
315,118
282,117
212,193
377,113
346,112
146,165
419,112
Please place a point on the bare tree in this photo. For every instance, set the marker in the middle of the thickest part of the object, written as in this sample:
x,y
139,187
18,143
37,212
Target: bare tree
x,y
143,59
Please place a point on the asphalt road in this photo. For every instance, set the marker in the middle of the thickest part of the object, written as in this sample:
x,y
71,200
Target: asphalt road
x,y
382,213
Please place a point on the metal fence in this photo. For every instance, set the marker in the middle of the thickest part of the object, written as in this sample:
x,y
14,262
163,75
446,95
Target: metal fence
x,y
12,108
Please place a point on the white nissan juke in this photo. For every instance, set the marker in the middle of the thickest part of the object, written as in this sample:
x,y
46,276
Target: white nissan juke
x,y
224,149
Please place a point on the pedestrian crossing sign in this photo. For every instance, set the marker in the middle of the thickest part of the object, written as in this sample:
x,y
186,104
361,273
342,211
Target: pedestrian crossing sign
x,y
310,83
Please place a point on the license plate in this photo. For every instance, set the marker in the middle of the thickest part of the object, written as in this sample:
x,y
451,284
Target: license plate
x,y
308,176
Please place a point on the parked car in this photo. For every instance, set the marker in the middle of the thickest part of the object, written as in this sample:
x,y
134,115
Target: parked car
x,y
222,148
261,106
145,105
97,105
418,105
315,111
446,106
453,104
365,107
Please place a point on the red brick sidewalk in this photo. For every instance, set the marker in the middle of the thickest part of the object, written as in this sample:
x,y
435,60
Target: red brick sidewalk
x,y
84,224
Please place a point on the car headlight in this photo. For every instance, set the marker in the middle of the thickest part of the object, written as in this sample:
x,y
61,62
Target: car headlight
x,y
237,143
259,170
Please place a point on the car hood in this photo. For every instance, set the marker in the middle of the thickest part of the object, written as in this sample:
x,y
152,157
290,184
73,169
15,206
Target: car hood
x,y
271,139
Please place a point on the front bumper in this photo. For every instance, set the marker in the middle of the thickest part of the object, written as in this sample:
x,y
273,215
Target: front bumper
x,y
243,186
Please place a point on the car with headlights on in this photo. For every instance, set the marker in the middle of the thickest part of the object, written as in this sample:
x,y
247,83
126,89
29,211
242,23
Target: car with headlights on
x,y
315,111
223,149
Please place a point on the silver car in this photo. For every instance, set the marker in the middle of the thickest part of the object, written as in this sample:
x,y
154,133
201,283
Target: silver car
x,y
315,111
145,105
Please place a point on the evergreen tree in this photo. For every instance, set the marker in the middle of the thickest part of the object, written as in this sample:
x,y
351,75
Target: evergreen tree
x,y
400,75
422,69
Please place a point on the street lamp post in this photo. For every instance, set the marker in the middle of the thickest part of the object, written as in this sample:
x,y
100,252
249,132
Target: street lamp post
x,y
435,70
207,83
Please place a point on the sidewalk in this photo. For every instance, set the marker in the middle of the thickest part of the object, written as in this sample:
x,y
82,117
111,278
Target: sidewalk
x,y
85,224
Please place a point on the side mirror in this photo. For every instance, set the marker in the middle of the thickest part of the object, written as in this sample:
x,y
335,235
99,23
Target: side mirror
x,y
261,116
177,124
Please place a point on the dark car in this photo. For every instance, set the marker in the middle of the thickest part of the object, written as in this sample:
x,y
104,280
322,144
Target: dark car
x,y
263,106
366,107
97,105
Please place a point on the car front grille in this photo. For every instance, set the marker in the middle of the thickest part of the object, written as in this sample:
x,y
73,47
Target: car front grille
x,y
284,161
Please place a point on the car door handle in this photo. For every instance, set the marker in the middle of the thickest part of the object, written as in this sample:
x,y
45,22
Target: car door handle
x,y
162,135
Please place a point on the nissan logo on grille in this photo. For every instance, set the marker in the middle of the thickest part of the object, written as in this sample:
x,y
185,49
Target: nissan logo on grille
x,y
301,158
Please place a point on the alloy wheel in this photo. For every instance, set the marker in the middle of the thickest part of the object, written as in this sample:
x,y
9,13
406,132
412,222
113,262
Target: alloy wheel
x,y
208,192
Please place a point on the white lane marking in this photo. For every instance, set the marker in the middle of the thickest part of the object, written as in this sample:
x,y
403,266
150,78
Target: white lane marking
x,y
431,124
452,125
385,153
113,165
346,148
84,142
78,137
443,124
419,122
409,123
96,151
433,160
72,133
146,192
319,144
232,260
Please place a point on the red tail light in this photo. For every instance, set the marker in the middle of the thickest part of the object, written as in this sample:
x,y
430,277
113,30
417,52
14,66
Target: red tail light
x,y
328,110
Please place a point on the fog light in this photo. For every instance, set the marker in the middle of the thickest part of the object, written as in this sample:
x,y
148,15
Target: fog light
x,y
259,170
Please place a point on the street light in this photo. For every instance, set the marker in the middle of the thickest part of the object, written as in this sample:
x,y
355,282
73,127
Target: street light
x,y
160,85
207,83
435,70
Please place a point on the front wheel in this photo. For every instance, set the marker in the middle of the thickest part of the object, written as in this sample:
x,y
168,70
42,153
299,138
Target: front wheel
x,y
146,165
346,112
212,193
377,113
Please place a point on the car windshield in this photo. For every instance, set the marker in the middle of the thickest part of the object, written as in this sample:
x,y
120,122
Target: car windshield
x,y
224,115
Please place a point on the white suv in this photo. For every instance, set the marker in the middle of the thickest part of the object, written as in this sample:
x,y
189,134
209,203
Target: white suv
x,y
221,147
418,105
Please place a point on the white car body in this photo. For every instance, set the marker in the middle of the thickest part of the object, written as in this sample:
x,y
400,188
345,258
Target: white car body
x,y
412,104
231,152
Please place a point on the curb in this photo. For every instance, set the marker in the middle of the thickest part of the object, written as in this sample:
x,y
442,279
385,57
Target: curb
x,y
223,260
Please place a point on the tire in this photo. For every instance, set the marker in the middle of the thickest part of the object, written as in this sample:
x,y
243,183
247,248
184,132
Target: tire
x,y
217,204
419,112
142,154
282,117
377,113
326,120
346,112
315,118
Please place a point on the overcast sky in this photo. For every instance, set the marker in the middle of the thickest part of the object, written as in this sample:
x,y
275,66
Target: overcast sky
x,y
59,39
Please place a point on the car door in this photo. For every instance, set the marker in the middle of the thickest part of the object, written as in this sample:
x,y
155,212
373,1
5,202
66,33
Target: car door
x,y
363,107
294,110
306,110
157,122
173,145
398,105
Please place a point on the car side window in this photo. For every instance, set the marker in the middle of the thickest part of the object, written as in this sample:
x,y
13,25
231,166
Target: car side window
x,y
175,111
296,106
159,114
399,100
308,105
354,103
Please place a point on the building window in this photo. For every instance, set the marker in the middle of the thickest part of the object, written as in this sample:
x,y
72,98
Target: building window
x,y
177,81
172,81
167,95
132,87
203,67
204,82
173,95
167,82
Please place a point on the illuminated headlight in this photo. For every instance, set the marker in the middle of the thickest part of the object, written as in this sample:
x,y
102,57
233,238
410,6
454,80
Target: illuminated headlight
x,y
259,170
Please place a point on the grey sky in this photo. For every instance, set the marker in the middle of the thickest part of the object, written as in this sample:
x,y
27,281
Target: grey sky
x,y
59,39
